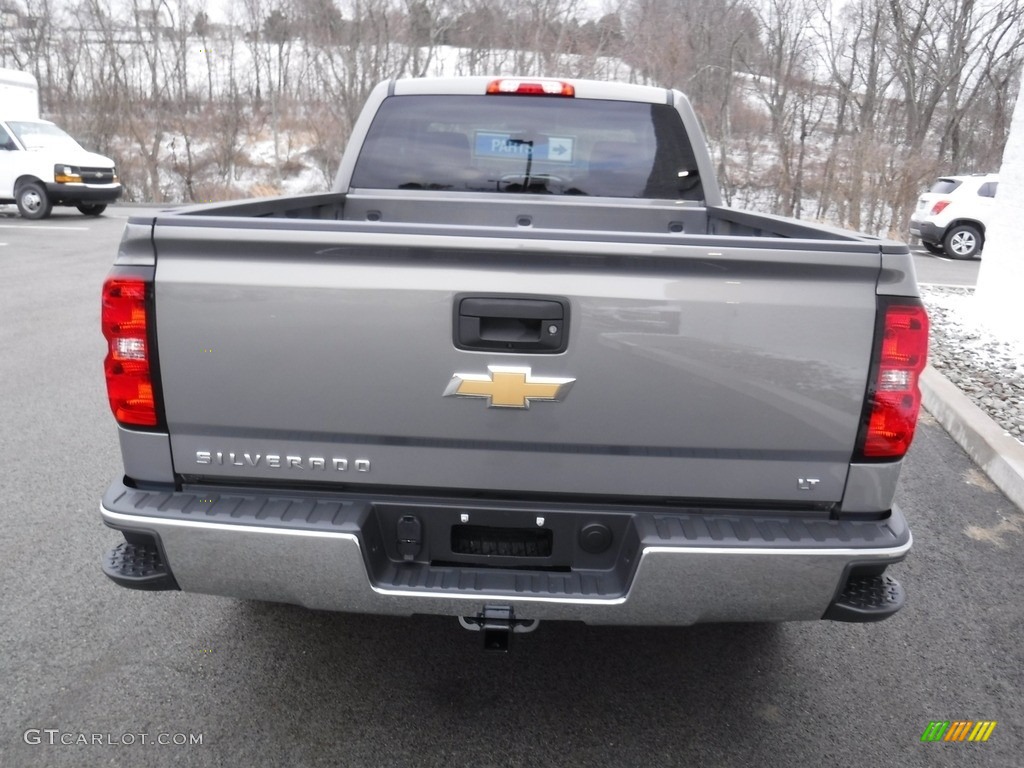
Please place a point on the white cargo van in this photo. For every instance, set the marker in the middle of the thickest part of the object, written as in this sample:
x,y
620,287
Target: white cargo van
x,y
40,165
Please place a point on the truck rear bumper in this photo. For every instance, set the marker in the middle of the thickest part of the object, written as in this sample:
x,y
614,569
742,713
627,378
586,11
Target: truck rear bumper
x,y
663,566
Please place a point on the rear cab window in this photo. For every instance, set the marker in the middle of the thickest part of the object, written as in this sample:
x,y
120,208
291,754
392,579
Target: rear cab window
x,y
535,145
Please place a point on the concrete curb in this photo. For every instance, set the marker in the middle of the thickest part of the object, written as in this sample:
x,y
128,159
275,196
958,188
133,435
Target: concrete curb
x,y
991,448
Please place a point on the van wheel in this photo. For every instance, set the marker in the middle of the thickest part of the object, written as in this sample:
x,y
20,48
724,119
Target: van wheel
x,y
33,202
962,242
91,210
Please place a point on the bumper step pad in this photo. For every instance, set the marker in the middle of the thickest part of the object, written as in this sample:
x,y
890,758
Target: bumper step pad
x,y
138,566
867,598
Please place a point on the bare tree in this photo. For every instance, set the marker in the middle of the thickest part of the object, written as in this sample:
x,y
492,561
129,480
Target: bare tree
x,y
840,111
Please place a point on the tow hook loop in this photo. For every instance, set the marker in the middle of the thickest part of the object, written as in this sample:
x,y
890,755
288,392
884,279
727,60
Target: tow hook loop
x,y
498,623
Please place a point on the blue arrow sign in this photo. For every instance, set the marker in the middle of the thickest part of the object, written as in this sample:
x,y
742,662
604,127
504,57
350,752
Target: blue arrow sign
x,y
494,144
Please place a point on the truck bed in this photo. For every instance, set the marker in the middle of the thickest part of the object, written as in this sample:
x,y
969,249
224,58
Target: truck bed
x,y
518,214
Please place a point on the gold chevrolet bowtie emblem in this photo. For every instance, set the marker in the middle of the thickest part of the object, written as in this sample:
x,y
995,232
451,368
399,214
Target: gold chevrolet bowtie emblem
x,y
507,387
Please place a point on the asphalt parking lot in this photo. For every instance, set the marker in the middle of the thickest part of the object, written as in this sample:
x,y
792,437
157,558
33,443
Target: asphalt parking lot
x,y
273,685
942,270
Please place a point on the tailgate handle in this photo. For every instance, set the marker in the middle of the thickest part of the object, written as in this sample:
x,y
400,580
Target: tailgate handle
x,y
511,324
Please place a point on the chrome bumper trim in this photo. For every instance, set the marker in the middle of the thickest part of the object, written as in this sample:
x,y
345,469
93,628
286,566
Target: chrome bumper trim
x,y
326,570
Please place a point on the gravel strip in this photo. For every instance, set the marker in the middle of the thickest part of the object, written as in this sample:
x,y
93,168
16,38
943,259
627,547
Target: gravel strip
x,y
986,369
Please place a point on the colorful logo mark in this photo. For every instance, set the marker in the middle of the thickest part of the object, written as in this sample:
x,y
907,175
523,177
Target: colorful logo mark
x,y
958,730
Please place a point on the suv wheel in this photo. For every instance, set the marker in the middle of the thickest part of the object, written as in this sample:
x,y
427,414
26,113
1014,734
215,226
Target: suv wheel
x,y
962,241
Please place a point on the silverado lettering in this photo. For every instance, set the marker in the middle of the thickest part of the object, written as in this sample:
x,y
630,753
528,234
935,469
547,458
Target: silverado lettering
x,y
278,461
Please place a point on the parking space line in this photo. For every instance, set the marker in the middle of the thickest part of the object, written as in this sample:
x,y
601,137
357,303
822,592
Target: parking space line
x,y
42,226
933,256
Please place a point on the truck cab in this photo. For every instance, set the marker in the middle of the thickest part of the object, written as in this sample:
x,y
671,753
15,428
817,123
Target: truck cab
x,y
41,165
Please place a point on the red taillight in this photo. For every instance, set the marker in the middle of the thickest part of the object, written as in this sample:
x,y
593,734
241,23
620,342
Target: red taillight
x,y
530,87
126,329
894,396
939,207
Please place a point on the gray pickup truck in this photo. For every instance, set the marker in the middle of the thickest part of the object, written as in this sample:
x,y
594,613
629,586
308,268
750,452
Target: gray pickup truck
x,y
520,364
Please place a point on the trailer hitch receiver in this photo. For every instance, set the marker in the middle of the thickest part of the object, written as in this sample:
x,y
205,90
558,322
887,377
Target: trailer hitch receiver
x,y
498,623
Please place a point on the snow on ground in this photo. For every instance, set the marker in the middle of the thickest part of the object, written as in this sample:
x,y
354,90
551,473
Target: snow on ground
x,y
985,367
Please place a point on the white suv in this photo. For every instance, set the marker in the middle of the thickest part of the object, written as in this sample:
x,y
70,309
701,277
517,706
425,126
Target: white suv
x,y
951,216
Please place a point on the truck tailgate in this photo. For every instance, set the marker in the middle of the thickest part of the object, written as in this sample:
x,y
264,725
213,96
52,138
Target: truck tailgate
x,y
701,370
